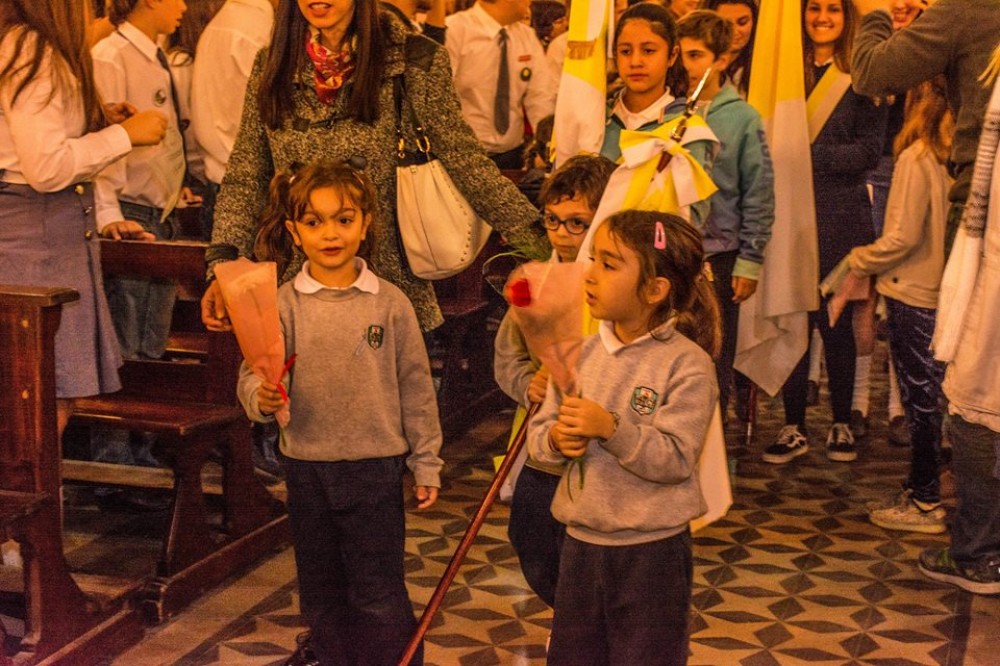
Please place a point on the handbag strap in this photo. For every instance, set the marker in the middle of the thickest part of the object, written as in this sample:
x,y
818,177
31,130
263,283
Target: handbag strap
x,y
423,144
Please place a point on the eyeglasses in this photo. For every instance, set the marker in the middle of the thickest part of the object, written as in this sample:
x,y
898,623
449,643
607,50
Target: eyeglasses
x,y
574,225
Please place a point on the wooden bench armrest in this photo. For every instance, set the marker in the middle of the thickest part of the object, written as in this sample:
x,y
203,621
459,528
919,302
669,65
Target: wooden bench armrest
x,y
15,506
132,413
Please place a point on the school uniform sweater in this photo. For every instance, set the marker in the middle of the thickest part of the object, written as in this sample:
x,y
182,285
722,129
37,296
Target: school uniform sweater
x,y
845,150
640,485
361,385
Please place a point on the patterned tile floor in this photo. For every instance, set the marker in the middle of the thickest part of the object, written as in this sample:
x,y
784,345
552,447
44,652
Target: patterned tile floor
x,y
794,574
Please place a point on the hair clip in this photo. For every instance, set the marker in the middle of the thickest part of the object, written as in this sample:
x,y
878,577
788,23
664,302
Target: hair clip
x,y
659,237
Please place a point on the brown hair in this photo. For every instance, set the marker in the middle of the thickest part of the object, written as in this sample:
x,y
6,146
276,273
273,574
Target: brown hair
x,y
198,14
286,57
927,118
581,175
709,27
744,60
691,298
842,48
58,27
289,198
118,10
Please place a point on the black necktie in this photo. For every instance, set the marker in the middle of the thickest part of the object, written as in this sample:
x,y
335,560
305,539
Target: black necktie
x,y
181,124
501,105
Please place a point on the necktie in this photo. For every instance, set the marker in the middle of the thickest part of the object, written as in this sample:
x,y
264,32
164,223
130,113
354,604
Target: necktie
x,y
162,58
501,105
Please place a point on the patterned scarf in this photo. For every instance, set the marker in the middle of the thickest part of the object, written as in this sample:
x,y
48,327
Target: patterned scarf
x,y
332,68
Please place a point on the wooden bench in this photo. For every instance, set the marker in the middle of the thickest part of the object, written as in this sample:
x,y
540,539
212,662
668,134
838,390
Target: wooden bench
x,y
189,400
69,618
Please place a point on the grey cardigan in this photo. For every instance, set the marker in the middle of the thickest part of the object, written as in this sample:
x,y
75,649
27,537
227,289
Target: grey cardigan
x,y
260,151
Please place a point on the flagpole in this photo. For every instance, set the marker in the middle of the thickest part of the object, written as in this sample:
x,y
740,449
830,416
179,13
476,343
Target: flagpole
x,y
470,536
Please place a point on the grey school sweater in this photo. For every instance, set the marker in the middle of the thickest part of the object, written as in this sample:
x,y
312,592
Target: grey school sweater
x,y
641,485
361,384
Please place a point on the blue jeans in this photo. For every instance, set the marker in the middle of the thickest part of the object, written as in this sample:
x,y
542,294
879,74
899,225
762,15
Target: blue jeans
x,y
348,528
536,536
920,376
141,309
975,529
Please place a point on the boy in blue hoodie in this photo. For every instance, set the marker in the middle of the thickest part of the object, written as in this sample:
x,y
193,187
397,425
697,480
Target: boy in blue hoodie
x,y
742,211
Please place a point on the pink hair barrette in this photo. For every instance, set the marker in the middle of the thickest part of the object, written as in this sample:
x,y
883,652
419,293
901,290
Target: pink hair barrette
x,y
659,237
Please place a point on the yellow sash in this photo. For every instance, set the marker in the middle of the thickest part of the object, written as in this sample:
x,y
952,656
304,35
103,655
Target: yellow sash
x,y
824,99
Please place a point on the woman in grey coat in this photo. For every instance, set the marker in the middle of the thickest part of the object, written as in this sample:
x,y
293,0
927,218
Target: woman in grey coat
x,y
308,98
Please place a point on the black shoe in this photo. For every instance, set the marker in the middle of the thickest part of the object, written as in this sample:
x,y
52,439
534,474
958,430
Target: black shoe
x,y
303,655
790,444
840,445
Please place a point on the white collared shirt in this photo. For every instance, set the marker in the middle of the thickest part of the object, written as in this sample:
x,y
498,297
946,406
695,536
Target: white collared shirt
x,y
652,113
43,138
366,281
126,69
222,64
473,44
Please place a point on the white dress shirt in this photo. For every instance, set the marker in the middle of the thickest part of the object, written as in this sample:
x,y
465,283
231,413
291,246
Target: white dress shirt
x,y
43,137
473,44
222,64
126,69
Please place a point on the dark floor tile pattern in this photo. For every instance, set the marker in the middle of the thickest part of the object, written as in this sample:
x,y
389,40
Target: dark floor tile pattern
x,y
794,574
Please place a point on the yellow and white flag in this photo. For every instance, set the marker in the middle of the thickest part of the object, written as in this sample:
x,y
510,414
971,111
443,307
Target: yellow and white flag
x,y
773,332
580,106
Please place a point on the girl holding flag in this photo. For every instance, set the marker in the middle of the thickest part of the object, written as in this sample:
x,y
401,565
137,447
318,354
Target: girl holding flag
x,y
846,131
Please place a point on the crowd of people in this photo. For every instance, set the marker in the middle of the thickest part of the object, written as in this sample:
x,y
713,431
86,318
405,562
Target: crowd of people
x,y
279,120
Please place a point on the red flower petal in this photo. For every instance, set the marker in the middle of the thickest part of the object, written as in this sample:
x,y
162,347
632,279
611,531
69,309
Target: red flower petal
x,y
519,293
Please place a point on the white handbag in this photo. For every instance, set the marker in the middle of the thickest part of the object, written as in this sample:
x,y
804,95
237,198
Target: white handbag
x,y
440,232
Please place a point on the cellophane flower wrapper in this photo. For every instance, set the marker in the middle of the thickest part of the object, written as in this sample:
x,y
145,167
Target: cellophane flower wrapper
x,y
546,301
250,292
547,304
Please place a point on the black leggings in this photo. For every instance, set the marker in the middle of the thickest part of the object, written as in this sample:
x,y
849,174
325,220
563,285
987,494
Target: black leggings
x,y
838,346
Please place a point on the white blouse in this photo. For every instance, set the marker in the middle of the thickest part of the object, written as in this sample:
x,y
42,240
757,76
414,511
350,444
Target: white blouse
x,y
43,139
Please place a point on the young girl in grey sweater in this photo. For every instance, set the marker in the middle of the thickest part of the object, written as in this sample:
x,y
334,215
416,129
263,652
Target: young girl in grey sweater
x,y
362,408
647,394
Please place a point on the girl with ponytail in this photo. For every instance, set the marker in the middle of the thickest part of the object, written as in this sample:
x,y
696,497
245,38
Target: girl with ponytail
x,y
647,395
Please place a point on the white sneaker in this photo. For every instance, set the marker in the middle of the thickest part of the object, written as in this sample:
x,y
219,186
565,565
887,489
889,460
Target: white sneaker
x,y
888,501
790,444
908,516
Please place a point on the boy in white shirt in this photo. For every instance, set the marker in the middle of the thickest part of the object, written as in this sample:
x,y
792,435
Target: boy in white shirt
x,y
475,40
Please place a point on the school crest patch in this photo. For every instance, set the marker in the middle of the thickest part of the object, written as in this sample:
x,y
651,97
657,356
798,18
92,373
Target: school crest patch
x,y
374,336
643,400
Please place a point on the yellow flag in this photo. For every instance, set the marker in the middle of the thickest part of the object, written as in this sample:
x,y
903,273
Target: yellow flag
x,y
580,106
773,331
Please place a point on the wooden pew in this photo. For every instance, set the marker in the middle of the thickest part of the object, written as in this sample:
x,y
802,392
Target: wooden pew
x,y
69,619
189,400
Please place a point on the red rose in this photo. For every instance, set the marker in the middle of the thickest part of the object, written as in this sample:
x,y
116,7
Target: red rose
x,y
519,293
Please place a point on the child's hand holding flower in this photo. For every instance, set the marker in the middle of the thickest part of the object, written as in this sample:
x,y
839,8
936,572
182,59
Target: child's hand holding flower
x,y
570,446
584,418
269,398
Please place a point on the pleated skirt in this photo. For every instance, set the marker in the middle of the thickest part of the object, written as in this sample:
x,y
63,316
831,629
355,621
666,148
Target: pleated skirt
x,y
51,240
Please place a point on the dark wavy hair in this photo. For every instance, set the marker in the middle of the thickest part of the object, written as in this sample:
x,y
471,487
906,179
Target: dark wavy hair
x,y
745,59
286,57
662,23
682,261
57,28
288,199
583,175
